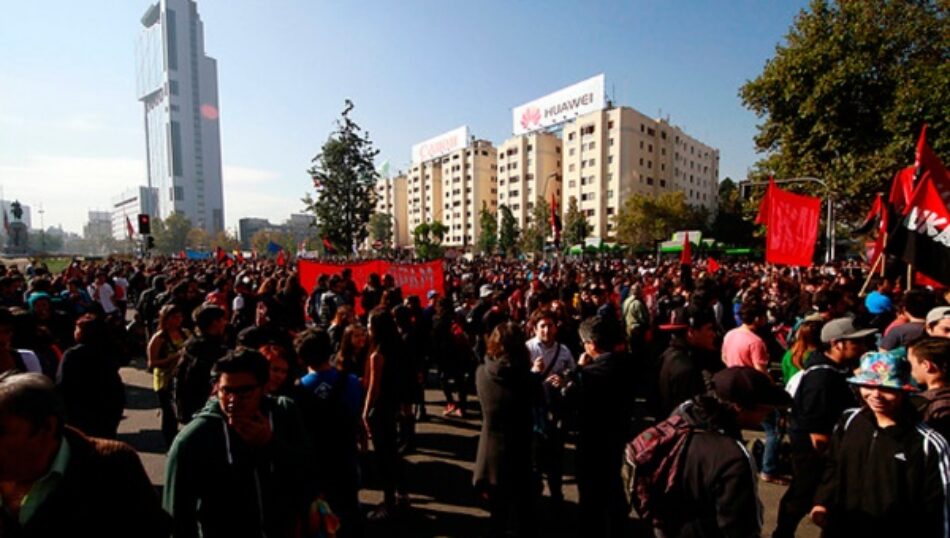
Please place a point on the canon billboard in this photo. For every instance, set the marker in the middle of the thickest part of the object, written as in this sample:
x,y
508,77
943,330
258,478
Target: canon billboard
x,y
438,146
563,105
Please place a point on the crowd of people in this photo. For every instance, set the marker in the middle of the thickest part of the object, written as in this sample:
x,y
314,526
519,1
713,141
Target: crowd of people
x,y
660,375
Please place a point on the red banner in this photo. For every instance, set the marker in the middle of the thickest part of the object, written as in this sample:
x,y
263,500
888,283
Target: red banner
x,y
792,228
413,278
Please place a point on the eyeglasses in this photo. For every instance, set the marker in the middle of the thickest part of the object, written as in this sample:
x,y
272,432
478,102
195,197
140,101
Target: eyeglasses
x,y
237,390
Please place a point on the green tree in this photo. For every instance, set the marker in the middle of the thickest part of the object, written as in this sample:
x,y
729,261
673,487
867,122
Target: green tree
x,y
171,235
845,95
508,232
261,239
576,227
226,241
381,229
488,231
344,178
644,219
535,233
197,238
729,225
427,240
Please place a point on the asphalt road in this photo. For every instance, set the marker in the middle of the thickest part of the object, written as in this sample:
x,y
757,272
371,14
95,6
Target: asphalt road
x,y
439,471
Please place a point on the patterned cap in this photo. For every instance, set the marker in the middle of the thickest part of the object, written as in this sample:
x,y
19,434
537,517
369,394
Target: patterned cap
x,y
885,369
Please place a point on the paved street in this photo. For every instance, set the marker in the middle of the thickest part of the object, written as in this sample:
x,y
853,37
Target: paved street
x,y
443,503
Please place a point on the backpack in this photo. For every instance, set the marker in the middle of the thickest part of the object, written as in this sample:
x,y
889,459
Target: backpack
x,y
657,458
792,386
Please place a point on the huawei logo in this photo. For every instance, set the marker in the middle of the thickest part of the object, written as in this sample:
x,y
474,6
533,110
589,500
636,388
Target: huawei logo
x,y
531,117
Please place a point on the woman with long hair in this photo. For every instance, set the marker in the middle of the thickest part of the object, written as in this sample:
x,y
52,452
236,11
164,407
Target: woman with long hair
x,y
807,340
381,407
164,349
503,470
354,348
343,318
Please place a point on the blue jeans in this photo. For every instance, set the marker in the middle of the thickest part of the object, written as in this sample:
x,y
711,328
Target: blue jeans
x,y
773,439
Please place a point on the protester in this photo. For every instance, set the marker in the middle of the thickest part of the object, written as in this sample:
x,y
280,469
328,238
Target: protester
x,y
820,398
243,465
884,444
56,481
716,492
164,352
689,362
930,367
503,470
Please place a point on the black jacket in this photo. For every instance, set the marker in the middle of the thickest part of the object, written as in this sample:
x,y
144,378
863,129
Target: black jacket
x,y
822,395
885,481
601,393
682,371
504,446
717,488
193,376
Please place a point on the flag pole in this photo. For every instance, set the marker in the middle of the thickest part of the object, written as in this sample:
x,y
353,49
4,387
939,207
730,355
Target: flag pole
x,y
867,280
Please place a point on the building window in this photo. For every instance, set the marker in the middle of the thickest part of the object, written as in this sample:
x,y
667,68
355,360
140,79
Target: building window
x,y
570,136
610,159
587,130
591,145
641,144
663,183
572,183
610,142
610,124
650,148
649,181
610,194
570,151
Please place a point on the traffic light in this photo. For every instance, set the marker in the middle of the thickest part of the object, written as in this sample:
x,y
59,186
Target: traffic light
x,y
145,224
149,242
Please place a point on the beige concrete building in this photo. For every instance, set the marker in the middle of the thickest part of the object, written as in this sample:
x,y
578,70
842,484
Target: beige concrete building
x,y
529,166
391,199
424,194
611,154
469,178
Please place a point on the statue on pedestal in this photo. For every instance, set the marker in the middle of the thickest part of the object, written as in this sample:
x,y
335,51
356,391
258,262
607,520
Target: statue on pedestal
x,y
17,238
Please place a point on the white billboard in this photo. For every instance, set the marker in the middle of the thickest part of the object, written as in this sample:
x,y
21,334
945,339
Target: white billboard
x,y
563,105
443,144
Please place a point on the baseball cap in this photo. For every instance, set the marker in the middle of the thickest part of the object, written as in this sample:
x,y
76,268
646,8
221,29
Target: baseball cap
x,y
937,314
431,294
747,388
843,329
485,291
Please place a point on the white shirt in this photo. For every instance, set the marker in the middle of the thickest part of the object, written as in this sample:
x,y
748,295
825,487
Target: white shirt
x,y
104,297
565,361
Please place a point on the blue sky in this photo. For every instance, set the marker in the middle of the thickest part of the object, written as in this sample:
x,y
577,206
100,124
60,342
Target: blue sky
x,y
71,129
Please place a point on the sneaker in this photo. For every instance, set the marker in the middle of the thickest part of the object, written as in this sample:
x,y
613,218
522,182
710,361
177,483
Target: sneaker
x,y
458,412
775,479
449,409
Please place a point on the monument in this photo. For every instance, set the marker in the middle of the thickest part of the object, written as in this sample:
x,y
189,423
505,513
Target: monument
x,y
17,239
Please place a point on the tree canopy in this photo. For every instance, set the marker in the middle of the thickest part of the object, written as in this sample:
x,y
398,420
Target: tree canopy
x,y
488,231
576,227
171,235
845,95
381,228
508,232
534,234
427,240
344,178
645,219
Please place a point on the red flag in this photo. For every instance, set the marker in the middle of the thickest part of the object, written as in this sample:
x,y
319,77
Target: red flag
x,y
764,205
219,255
792,224
239,256
128,227
328,246
901,189
686,255
281,259
712,265
181,255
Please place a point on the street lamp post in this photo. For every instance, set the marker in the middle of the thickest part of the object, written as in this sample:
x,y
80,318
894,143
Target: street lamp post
x,y
830,215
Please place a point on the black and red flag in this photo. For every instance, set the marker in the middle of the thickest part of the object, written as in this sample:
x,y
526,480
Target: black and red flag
x,y
921,233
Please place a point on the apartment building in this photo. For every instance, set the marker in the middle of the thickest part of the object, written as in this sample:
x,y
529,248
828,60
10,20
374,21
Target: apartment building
x,y
391,199
612,154
529,166
469,179
423,193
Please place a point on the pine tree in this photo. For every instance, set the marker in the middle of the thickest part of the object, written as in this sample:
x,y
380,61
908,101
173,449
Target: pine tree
x,y
508,231
576,227
488,233
344,178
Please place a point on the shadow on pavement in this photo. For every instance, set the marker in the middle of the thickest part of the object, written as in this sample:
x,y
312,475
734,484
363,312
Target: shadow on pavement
x,y
150,441
140,398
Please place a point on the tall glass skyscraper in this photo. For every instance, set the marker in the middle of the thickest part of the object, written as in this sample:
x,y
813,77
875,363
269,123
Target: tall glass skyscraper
x,y
178,86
